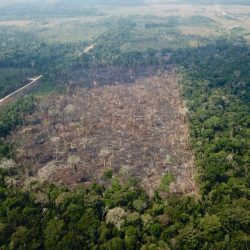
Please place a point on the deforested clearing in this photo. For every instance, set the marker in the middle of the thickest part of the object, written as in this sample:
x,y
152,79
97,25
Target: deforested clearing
x,y
135,130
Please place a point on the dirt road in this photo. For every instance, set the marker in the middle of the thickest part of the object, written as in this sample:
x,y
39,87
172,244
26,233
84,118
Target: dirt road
x,y
86,50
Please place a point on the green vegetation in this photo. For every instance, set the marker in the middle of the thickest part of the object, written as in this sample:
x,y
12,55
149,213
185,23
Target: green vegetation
x,y
215,85
165,182
116,217
108,174
31,57
175,21
98,218
13,115
10,117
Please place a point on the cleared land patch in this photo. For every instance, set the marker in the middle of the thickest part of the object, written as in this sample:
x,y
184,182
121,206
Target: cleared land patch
x,y
135,130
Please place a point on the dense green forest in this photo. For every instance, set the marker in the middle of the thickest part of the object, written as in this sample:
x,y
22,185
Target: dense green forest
x,y
215,84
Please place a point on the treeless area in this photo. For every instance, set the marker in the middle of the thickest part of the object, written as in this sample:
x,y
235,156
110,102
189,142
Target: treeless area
x,y
135,130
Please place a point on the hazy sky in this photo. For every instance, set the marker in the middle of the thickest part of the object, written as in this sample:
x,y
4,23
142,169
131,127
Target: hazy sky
x,y
9,2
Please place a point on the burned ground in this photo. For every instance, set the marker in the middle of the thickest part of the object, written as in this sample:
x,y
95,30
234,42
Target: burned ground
x,y
135,130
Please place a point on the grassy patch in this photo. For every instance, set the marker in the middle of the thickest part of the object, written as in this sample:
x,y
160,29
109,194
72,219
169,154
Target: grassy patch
x,y
166,181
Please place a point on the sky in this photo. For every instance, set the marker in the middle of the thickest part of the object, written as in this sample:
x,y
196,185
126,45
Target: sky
x,y
9,2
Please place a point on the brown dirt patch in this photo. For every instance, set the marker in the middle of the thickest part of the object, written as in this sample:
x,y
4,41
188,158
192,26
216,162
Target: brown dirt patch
x,y
137,130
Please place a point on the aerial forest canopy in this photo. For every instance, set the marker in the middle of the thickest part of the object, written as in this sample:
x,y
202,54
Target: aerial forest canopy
x,y
137,136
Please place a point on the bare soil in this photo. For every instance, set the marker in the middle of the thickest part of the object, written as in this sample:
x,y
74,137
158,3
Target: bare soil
x,y
135,130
